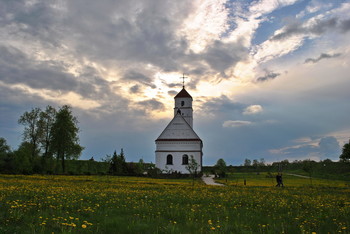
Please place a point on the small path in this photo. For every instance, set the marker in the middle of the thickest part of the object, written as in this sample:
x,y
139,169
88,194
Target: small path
x,y
209,180
307,177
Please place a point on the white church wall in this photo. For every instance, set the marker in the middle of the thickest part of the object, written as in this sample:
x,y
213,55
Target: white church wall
x,y
161,161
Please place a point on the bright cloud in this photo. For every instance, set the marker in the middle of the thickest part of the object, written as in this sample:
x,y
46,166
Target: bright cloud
x,y
253,109
118,63
236,123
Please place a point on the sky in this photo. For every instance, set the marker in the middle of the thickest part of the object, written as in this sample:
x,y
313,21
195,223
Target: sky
x,y
269,79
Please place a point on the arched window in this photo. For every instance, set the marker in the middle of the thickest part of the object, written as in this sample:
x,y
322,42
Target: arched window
x,y
185,159
169,159
182,103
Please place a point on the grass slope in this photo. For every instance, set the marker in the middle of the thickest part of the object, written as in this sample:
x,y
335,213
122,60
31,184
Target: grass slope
x,y
102,204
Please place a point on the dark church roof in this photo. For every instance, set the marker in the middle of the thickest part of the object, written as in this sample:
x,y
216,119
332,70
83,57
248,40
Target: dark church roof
x,y
183,94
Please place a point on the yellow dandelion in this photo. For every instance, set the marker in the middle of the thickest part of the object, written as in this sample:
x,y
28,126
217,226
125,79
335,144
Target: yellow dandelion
x,y
83,226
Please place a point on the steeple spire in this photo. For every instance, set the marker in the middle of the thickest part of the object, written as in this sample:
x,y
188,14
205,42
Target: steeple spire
x,y
183,80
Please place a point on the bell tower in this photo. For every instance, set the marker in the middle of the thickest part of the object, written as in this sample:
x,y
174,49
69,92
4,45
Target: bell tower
x,y
183,104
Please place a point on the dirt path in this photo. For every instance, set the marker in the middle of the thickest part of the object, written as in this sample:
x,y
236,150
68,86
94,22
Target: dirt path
x,y
209,180
307,177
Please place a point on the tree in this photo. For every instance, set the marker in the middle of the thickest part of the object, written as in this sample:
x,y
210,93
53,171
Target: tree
x,y
117,163
255,163
4,148
23,163
64,136
32,130
308,167
345,156
247,162
5,159
221,167
262,162
192,167
47,119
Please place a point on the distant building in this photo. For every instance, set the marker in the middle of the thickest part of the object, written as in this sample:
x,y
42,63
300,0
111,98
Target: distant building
x,y
179,141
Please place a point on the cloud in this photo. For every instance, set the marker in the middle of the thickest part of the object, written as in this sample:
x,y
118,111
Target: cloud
x,y
172,92
135,89
253,109
219,106
268,76
325,147
221,56
236,123
151,105
345,25
329,147
131,75
314,26
322,56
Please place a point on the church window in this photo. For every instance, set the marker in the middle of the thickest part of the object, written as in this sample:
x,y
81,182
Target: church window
x,y
182,103
185,159
169,159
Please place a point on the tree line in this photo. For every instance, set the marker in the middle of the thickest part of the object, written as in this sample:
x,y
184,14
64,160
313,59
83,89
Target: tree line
x,y
50,137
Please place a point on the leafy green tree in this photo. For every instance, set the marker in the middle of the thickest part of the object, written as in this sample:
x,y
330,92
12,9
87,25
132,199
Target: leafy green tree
x,y
140,167
255,163
262,162
47,119
221,167
4,155
4,148
308,167
192,167
345,156
23,162
117,163
247,162
64,136
32,130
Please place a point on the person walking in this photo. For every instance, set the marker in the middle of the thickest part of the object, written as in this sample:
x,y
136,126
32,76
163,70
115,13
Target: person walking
x,y
279,180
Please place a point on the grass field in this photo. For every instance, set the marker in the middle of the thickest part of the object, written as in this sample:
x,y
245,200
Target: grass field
x,y
102,204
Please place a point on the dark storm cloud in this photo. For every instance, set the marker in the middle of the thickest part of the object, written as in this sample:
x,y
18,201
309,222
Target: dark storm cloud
x,y
221,106
17,68
268,76
221,56
139,77
143,32
345,25
322,56
151,105
135,89
318,28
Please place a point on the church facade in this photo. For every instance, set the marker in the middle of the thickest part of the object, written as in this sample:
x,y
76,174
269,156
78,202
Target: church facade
x,y
178,141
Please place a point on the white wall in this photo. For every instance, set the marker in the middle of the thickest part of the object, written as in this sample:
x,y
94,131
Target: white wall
x,y
177,150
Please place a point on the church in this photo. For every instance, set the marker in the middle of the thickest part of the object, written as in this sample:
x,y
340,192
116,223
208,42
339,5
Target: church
x,y
178,141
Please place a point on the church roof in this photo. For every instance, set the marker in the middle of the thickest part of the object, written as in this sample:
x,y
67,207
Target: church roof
x,y
178,130
183,94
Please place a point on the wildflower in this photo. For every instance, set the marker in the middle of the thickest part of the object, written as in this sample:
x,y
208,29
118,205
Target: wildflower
x,y
83,226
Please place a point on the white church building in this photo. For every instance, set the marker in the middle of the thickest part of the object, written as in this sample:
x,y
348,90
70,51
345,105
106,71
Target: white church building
x,y
178,141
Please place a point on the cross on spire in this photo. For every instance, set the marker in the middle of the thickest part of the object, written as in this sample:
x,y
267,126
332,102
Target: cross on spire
x,y
183,80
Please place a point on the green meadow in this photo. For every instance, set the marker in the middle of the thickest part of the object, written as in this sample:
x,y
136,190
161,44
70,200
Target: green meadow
x,y
105,204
